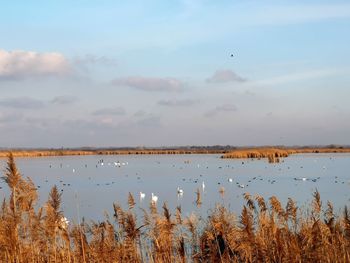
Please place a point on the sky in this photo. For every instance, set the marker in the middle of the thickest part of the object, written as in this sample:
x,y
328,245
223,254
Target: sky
x,y
174,73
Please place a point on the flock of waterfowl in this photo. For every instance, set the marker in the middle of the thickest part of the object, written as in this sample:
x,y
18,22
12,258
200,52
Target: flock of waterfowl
x,y
179,191
202,181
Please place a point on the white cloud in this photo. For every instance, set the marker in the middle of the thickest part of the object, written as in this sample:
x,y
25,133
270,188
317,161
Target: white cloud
x,y
226,75
21,64
65,99
150,84
301,76
226,107
110,111
90,59
22,103
175,103
221,108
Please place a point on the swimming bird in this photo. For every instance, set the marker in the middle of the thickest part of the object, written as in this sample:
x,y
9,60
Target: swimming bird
x,y
179,191
230,180
154,198
203,186
241,186
142,195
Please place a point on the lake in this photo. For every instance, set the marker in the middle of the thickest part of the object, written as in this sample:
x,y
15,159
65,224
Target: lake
x,y
90,184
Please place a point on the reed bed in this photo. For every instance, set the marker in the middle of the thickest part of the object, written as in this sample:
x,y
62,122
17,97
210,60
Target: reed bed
x,y
259,153
58,152
227,151
265,231
274,155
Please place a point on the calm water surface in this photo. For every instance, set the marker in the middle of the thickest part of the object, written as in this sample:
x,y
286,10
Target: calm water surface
x,y
90,188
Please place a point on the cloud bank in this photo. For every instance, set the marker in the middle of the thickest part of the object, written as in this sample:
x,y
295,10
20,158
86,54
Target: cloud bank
x,y
177,103
224,76
109,111
22,103
150,84
90,59
20,64
221,108
63,100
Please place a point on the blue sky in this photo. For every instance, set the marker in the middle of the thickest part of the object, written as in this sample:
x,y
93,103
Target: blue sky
x,y
131,73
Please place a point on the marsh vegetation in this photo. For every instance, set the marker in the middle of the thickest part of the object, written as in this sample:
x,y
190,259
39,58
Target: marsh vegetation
x,y
226,151
264,231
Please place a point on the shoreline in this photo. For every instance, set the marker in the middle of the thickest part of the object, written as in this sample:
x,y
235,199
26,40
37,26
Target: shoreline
x,y
227,153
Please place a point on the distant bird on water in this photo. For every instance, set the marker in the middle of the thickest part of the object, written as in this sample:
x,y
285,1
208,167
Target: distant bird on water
x,y
231,55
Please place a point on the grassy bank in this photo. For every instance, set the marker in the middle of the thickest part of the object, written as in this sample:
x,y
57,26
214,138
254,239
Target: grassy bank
x,y
274,154
59,152
226,151
265,231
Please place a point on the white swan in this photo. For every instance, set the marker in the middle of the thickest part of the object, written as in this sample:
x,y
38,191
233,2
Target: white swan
x,y
154,198
142,196
203,186
180,191
230,180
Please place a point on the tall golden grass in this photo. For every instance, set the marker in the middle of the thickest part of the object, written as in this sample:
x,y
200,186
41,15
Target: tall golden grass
x,y
265,231
59,152
228,152
274,154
